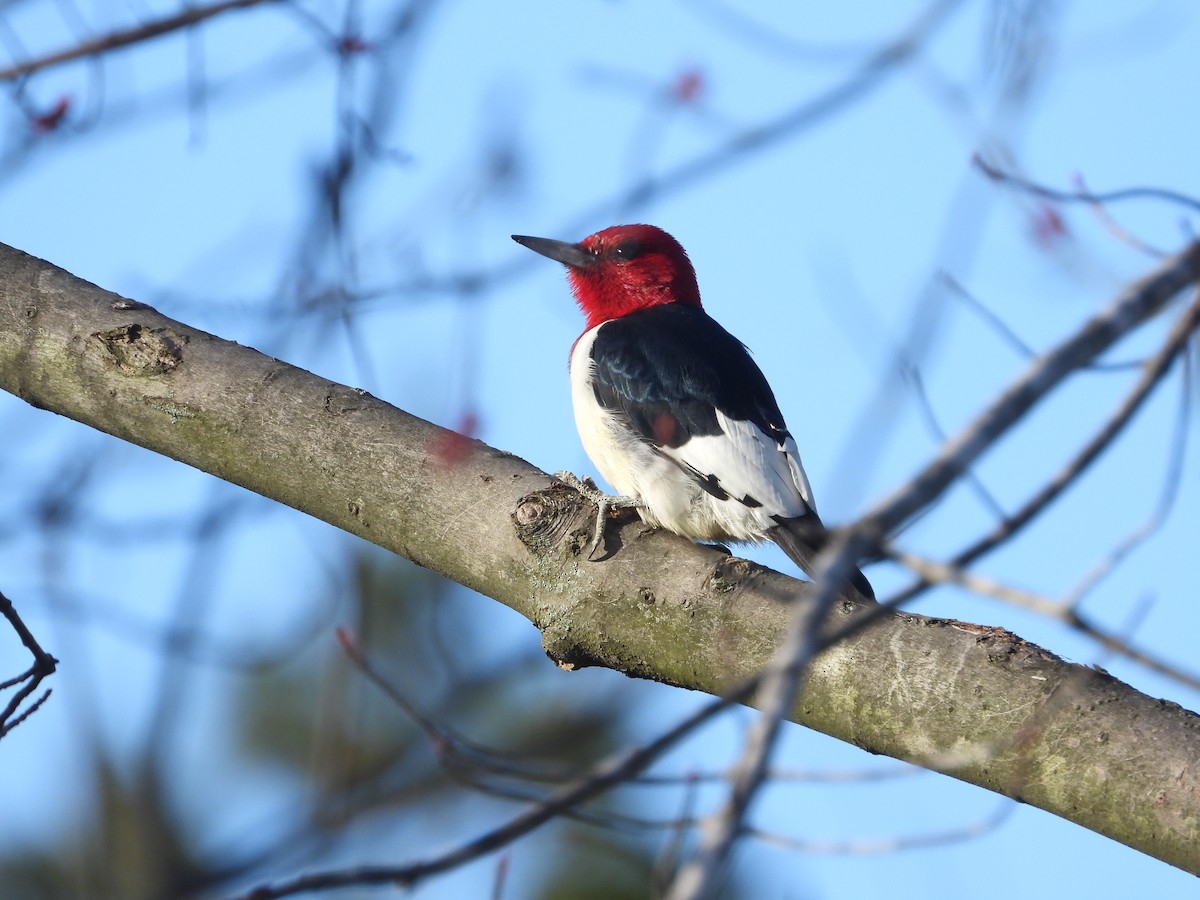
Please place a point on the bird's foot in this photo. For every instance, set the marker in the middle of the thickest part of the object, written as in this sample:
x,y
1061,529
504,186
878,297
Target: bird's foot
x,y
605,503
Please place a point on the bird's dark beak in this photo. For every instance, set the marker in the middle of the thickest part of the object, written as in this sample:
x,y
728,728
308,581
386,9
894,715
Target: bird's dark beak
x,y
571,255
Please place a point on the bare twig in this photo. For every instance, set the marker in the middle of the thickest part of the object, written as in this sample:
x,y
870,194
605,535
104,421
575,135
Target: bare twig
x,y
913,375
1081,196
1116,229
1123,647
1135,305
947,573
185,18
43,665
1008,335
861,847
1152,373
1167,497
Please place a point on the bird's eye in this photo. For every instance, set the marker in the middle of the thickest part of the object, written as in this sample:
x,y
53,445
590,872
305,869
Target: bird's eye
x,y
627,249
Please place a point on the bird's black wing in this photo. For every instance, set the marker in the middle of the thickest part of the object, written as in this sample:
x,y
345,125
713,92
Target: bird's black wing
x,y
669,368
690,389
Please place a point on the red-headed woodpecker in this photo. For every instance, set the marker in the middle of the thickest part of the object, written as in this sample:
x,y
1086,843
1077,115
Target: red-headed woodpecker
x,y
671,408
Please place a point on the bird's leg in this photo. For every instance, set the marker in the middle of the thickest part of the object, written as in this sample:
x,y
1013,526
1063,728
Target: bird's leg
x,y
605,503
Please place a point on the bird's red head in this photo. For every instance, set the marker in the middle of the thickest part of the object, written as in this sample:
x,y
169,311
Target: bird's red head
x,y
622,269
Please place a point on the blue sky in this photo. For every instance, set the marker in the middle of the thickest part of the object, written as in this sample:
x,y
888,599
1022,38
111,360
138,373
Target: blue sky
x,y
817,250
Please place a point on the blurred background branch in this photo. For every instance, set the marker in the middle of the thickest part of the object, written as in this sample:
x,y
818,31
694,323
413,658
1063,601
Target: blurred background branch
x,y
15,710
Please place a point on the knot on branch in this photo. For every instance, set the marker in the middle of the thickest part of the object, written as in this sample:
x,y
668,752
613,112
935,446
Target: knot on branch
x,y
729,574
545,519
141,351
340,399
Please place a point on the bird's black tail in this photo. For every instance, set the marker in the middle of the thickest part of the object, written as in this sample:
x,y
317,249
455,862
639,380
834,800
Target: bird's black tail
x,y
802,539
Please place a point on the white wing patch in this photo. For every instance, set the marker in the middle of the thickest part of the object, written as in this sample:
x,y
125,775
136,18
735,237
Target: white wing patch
x,y
750,466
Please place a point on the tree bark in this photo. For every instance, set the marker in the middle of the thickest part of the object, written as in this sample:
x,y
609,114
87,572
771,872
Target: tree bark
x,y
976,703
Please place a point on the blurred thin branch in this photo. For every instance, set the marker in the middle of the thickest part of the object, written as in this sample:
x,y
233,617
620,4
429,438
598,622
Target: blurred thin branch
x,y
606,774
1153,371
865,77
30,680
914,377
995,173
1144,530
864,847
187,17
1001,328
1136,304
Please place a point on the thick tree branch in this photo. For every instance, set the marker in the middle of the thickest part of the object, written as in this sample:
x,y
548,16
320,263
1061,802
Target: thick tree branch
x,y
977,703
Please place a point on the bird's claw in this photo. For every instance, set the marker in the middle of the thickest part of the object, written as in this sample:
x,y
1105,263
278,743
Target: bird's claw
x,y
605,503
